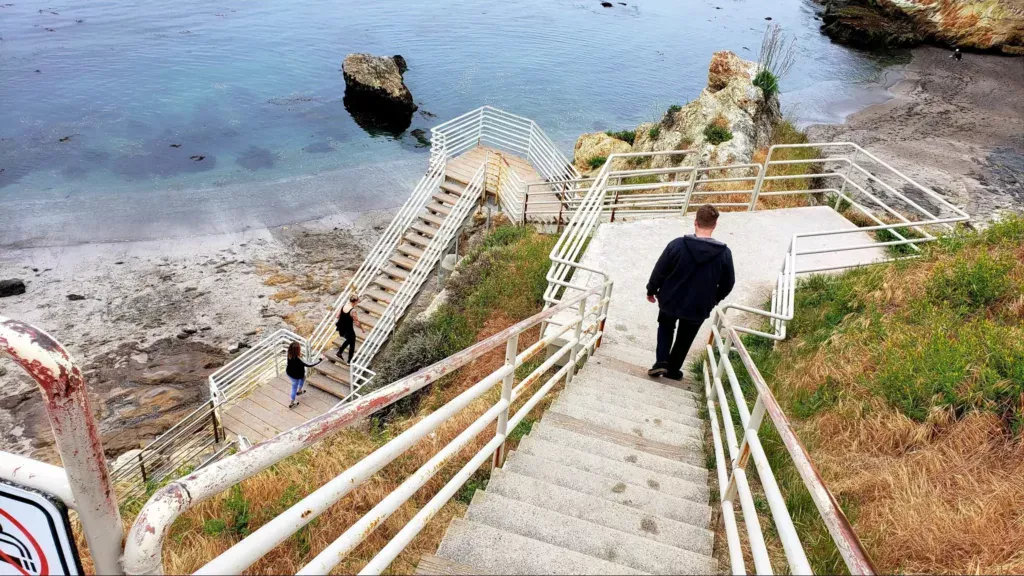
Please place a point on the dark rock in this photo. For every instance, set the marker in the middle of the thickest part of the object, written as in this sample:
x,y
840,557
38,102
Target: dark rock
x,y
421,137
11,287
64,138
864,24
183,335
401,63
190,330
175,145
767,17
607,4
197,158
75,297
119,262
375,93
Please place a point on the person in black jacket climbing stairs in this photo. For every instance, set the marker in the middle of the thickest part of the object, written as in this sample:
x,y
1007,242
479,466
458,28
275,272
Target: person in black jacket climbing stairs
x,y
693,274
348,318
296,371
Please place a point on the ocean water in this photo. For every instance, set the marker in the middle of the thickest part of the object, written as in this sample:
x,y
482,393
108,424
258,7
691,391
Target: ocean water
x,y
157,118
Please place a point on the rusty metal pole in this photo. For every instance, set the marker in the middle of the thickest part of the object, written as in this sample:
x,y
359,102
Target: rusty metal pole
x,y
75,433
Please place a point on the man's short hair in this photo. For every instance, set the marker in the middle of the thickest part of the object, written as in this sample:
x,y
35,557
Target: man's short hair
x,y
707,216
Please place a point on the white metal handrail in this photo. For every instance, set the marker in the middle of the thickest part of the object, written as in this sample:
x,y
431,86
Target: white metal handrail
x,y
361,373
602,201
144,543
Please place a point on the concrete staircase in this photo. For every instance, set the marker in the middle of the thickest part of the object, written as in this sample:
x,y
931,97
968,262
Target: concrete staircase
x,y
612,480
333,375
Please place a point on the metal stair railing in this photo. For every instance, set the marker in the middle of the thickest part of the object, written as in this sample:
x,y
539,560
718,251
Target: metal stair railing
x,y
361,374
379,255
202,429
143,552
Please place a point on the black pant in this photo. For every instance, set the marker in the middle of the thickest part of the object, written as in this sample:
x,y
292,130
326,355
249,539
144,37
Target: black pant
x,y
350,343
671,355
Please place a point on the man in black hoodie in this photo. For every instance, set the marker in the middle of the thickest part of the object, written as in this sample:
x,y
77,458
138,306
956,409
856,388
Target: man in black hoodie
x,y
692,276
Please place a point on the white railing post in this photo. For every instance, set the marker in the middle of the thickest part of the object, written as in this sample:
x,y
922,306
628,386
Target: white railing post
x,y
576,347
760,179
689,190
511,350
846,178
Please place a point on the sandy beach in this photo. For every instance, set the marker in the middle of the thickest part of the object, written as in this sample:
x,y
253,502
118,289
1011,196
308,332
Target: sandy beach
x,y
149,320
957,127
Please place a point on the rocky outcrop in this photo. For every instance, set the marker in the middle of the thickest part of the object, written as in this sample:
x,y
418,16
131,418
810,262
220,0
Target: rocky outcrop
x,y
376,94
590,148
742,114
996,25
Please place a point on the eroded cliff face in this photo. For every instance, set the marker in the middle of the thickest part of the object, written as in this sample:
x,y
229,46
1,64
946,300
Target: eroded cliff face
x,y
996,25
740,111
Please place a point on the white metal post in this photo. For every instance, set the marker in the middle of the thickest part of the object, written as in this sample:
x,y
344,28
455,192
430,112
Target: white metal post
x,y
511,351
576,348
689,190
846,178
75,434
757,186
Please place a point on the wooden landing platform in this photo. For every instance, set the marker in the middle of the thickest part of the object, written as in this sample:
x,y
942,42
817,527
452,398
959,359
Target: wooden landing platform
x,y
264,413
464,166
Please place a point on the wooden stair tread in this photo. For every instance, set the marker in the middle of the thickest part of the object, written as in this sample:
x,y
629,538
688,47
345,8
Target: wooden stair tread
x,y
331,369
410,250
372,307
407,263
379,295
431,219
388,283
395,271
417,239
329,385
439,208
445,198
425,229
454,188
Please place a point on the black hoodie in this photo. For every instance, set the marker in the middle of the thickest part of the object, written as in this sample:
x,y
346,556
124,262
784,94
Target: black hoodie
x,y
691,277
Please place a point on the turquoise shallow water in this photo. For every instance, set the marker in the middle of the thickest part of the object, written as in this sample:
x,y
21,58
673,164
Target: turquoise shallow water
x,y
137,90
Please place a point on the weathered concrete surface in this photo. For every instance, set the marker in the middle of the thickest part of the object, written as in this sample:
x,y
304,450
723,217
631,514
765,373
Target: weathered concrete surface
x,y
627,251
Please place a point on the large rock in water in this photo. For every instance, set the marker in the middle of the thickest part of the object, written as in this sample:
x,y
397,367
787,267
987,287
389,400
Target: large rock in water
x,y
590,147
376,94
977,24
730,101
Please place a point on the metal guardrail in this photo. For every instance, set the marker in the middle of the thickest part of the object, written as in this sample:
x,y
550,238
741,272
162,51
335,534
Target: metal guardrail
x,y
361,373
610,193
144,543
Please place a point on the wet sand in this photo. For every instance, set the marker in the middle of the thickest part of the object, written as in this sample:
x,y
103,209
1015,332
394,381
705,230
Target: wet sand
x,y
957,127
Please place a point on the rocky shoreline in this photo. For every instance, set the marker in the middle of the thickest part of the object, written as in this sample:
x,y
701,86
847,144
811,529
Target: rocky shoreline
x,y
149,321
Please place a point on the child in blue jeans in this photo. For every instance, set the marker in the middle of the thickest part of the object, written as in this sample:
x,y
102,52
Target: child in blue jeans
x,y
296,371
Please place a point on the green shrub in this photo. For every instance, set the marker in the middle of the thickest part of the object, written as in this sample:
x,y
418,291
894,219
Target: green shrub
x,y
214,527
478,481
674,108
888,235
238,505
807,403
716,134
628,136
522,429
969,284
654,133
767,81
597,161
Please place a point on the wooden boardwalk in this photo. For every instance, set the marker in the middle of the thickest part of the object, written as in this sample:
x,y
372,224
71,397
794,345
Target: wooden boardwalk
x,y
264,413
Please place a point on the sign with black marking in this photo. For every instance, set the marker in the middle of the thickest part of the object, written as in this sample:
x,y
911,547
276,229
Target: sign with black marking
x,y
35,535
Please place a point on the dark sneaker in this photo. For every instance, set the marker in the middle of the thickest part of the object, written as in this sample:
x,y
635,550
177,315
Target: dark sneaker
x,y
677,375
657,370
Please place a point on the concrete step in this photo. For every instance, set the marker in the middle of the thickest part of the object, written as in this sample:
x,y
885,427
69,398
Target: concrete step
x,y
672,388
616,365
649,431
501,552
615,381
683,414
584,537
606,385
595,445
434,565
652,526
627,353
653,502
614,469
694,427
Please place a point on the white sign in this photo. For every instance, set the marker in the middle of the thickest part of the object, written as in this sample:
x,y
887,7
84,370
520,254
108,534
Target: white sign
x,y
35,536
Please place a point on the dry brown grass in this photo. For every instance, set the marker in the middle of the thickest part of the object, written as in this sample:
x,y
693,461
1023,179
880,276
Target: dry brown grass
x,y
193,539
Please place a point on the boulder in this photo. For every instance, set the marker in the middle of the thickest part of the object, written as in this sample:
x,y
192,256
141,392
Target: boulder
x,y
595,145
376,94
12,287
731,101
996,25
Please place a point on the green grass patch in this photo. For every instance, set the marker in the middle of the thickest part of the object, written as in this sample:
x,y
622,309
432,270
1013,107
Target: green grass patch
x,y
674,108
596,162
238,506
969,283
889,235
768,82
506,275
478,481
522,429
716,134
628,136
654,133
